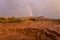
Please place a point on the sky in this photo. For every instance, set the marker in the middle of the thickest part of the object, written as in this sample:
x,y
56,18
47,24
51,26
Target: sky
x,y
21,8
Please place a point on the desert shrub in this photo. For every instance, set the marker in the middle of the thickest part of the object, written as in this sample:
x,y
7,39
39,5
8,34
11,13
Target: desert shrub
x,y
12,20
20,20
33,19
2,20
15,20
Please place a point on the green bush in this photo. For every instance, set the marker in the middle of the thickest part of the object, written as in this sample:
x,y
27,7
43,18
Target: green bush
x,y
2,20
33,19
20,20
11,20
15,20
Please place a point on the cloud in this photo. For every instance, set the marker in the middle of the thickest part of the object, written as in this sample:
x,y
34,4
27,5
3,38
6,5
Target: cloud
x,y
48,8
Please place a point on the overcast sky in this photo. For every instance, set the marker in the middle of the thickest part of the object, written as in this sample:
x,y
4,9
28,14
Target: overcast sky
x,y
47,8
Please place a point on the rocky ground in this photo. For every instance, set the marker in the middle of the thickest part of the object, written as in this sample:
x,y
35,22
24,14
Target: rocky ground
x,y
30,30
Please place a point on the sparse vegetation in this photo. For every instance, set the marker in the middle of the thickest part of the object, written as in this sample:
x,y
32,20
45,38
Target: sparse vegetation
x,y
19,20
2,20
33,19
15,20
29,29
12,20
